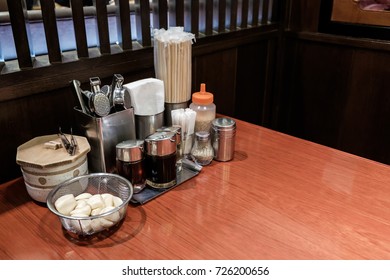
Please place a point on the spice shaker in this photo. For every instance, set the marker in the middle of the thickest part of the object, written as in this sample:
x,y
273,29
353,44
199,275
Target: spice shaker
x,y
223,134
179,147
202,104
130,162
160,156
202,151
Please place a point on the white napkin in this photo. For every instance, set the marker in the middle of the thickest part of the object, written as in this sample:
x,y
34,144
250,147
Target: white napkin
x,y
147,96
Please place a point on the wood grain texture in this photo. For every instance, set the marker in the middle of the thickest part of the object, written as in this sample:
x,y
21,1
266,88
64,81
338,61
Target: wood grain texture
x,y
280,198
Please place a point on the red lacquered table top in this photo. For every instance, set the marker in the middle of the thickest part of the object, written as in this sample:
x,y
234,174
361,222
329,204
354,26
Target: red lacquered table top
x,y
280,198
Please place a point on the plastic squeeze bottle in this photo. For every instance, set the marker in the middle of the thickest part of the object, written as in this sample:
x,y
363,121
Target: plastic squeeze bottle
x,y
202,104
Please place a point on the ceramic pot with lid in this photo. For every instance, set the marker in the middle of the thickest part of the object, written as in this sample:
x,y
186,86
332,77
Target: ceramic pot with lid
x,y
43,168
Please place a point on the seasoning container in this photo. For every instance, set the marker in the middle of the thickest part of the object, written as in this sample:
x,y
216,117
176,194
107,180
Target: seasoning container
x,y
178,137
130,163
160,155
202,151
45,163
223,134
202,104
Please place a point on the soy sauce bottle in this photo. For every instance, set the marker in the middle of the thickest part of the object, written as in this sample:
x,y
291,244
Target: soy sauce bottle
x,y
160,157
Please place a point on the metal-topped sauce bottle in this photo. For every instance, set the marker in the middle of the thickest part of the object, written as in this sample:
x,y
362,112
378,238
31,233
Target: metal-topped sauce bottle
x,y
130,162
160,155
179,151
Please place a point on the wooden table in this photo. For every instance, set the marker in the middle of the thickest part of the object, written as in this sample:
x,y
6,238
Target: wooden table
x,y
280,198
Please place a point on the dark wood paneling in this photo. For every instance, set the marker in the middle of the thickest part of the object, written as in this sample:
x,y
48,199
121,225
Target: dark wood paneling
x,y
18,20
209,17
316,91
251,79
365,129
255,12
160,14
124,25
102,25
337,96
233,14
194,17
79,28
218,72
303,15
142,12
51,32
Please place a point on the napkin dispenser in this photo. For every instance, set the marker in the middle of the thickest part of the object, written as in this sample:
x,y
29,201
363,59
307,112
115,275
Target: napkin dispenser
x,y
147,99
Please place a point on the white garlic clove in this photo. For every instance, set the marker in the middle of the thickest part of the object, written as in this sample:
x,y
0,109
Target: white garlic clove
x,y
81,211
114,217
81,203
80,226
108,199
96,201
117,201
96,225
83,196
106,223
65,204
96,211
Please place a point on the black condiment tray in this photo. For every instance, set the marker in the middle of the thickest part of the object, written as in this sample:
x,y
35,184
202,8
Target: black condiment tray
x,y
189,170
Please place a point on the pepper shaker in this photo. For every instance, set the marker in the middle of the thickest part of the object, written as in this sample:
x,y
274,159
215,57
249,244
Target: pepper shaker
x,y
202,150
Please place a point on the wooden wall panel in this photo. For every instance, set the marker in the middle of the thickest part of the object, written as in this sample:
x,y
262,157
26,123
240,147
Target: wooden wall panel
x,y
218,72
366,125
251,80
337,96
316,91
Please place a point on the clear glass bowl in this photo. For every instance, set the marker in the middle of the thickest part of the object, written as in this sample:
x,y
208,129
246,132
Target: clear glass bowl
x,y
95,183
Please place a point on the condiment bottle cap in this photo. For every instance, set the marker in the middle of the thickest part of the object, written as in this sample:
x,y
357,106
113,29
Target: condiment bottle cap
x,y
202,97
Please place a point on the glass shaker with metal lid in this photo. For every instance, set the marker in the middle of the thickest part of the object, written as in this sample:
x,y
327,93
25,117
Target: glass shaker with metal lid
x,y
160,156
130,162
202,151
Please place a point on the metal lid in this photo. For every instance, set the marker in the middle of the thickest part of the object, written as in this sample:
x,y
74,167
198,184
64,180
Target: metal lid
x,y
130,150
202,136
174,128
223,124
160,143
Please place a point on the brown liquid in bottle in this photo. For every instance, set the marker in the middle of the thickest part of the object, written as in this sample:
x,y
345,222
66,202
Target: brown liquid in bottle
x,y
133,171
161,170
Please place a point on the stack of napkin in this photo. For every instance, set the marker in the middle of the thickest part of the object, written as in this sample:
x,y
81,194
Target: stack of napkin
x,y
147,96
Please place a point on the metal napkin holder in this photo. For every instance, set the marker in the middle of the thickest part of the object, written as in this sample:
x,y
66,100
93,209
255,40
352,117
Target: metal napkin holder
x,y
103,133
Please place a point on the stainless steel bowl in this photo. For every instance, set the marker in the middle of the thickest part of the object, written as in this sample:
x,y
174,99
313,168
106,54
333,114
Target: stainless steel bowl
x,y
95,183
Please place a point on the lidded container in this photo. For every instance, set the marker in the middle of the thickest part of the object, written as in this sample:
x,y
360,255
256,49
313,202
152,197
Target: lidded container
x,y
223,137
202,104
160,156
202,151
130,162
45,163
178,137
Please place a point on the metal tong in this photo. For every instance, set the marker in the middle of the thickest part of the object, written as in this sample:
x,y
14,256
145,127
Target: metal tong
x,y
70,146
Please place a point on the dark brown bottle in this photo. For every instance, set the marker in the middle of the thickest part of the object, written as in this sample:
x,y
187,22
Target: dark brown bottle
x,y
160,155
130,163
